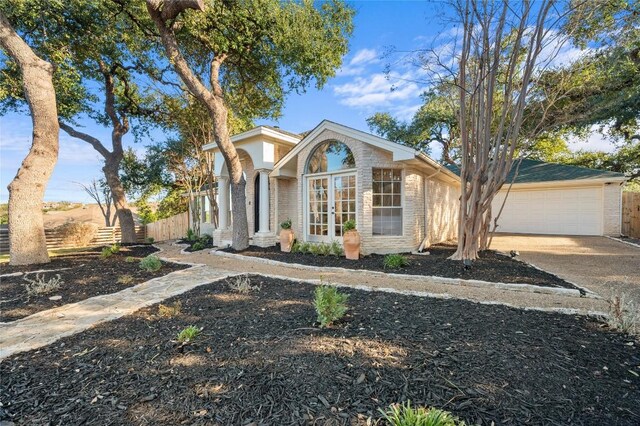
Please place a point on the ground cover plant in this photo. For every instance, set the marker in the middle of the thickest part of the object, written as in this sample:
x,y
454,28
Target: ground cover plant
x,y
394,261
74,277
330,304
491,266
261,362
151,263
197,243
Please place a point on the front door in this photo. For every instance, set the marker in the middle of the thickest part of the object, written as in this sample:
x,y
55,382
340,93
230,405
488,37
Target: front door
x,y
331,201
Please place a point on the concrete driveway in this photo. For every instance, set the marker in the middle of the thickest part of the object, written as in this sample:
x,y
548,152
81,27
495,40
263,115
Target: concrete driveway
x,y
602,265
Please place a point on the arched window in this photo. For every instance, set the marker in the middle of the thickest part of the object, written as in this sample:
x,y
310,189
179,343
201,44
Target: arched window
x,y
330,156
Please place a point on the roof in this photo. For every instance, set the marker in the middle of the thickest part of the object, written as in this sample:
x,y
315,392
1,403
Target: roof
x,y
284,132
539,171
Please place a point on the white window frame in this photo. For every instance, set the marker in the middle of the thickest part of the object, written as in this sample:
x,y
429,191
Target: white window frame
x,y
402,202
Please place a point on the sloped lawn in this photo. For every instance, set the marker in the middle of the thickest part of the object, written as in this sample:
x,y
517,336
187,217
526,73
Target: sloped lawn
x,y
260,360
491,266
83,275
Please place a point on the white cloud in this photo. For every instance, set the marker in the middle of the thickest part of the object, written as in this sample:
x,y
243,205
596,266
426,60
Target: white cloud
x,y
364,56
596,141
377,90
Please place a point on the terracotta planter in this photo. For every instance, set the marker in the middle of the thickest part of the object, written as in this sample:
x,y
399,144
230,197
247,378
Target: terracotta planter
x,y
286,240
351,243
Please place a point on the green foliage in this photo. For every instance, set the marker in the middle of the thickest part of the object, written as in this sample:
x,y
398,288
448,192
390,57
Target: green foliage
x,y
4,213
106,252
191,235
349,225
395,261
149,240
115,248
145,212
299,247
198,245
286,224
330,304
188,334
130,259
151,263
336,249
405,415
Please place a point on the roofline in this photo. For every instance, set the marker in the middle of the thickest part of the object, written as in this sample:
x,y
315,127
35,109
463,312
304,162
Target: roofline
x,y
256,131
441,167
567,182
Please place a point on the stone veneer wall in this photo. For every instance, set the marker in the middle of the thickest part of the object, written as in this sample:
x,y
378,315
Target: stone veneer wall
x,y
611,206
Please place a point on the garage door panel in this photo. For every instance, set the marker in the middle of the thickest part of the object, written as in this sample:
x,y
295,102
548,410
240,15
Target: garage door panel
x,y
576,211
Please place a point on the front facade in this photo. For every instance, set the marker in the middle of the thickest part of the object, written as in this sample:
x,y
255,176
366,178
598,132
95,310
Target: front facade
x,y
400,199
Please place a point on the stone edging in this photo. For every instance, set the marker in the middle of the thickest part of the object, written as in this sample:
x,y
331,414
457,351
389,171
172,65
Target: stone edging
x,y
623,241
530,288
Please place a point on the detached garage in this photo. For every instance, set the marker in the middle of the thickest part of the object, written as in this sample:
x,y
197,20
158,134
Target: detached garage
x,y
548,198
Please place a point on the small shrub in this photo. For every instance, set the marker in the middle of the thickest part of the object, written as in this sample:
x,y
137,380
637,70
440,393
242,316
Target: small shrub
x,y
125,279
106,252
170,311
394,261
198,245
149,240
130,259
115,248
188,334
40,286
330,304
206,239
305,247
191,235
349,225
405,415
242,284
286,224
295,247
336,249
77,234
624,315
151,263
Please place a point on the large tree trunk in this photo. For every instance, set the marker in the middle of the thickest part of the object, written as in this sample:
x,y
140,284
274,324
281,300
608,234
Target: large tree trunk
x,y
162,11
125,216
27,242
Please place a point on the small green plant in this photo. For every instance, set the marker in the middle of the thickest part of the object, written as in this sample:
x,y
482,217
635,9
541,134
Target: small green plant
x,y
115,248
150,263
349,225
206,239
330,304
125,279
149,240
198,245
295,247
242,284
406,415
170,311
394,261
106,252
191,235
188,334
130,259
39,285
286,224
336,249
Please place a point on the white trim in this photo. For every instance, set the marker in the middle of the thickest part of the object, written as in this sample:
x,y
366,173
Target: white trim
x,y
257,131
570,183
403,182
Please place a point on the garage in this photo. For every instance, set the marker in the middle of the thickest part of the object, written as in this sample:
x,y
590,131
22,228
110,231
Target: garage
x,y
569,211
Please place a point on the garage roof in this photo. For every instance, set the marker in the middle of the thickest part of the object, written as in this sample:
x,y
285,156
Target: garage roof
x,y
540,171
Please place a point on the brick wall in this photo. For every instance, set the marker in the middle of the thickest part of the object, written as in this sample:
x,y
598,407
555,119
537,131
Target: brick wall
x,y
611,214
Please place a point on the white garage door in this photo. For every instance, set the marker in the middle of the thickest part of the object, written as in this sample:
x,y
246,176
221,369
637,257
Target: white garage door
x,y
551,211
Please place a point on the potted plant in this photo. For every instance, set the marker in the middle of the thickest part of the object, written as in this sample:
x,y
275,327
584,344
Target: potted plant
x,y
351,240
286,236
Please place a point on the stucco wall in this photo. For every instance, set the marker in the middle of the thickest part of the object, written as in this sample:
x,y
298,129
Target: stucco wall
x,y
611,209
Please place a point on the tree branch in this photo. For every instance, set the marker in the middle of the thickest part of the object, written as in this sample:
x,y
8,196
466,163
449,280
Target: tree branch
x,y
87,138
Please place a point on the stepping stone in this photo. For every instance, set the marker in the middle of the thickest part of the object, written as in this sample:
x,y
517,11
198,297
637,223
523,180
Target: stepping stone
x,y
55,298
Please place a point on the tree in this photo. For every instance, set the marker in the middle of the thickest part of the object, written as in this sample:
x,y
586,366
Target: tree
x,y
100,192
251,60
27,242
100,62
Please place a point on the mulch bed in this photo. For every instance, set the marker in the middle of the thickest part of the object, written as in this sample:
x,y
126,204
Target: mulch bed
x,y
630,240
491,266
260,360
207,245
90,275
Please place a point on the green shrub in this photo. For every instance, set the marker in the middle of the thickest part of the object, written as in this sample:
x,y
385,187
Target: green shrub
x,y
286,224
395,261
405,415
198,245
115,248
206,239
304,247
336,249
191,235
295,247
188,334
130,259
330,304
149,240
106,252
150,263
349,225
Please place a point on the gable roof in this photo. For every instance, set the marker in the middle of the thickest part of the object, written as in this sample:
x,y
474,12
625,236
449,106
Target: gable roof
x,y
532,171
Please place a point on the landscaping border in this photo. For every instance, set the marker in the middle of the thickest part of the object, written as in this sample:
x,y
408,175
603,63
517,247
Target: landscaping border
x,y
530,288
620,240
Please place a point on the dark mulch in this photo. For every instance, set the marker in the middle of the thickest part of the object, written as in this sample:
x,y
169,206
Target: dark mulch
x,y
630,240
208,244
491,266
90,276
260,361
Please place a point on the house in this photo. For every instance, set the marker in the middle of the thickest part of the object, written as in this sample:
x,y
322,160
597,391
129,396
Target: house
x,y
399,197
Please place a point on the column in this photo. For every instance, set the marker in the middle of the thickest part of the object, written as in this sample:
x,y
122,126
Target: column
x,y
264,201
223,202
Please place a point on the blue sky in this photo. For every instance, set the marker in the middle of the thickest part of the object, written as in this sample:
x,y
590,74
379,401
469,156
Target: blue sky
x,y
359,89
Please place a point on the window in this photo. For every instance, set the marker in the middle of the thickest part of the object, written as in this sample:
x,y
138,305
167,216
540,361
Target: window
x,y
330,156
387,202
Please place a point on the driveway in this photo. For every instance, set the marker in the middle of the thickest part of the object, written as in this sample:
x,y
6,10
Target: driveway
x,y
602,265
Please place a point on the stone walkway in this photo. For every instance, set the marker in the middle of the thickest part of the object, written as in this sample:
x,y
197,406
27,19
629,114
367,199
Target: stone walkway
x,y
518,299
48,326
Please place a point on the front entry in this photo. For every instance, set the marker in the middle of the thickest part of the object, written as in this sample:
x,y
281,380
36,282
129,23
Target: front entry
x,y
331,201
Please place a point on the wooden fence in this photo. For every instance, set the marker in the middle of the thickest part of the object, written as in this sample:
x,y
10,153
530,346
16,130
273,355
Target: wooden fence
x,y
104,235
631,214
171,228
